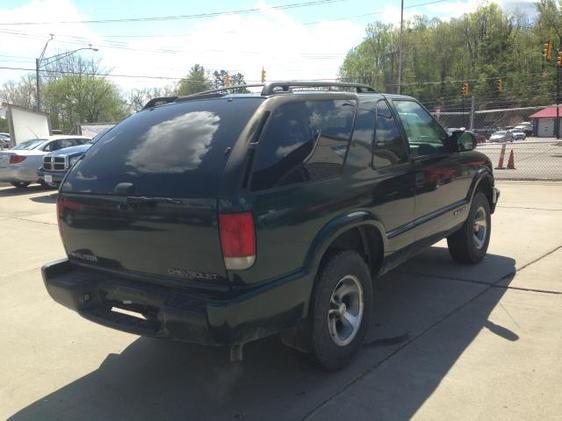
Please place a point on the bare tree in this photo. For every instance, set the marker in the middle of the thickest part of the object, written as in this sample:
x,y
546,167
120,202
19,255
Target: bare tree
x,y
20,92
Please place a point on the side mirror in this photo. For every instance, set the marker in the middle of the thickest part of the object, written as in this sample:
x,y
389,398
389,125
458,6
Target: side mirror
x,y
461,141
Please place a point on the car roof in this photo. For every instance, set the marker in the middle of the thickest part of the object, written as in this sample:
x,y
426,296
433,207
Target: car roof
x,y
65,136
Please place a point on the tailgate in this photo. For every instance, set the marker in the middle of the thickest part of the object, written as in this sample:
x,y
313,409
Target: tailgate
x,y
160,238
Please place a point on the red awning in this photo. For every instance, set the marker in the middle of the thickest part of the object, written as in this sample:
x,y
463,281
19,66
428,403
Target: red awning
x,y
549,112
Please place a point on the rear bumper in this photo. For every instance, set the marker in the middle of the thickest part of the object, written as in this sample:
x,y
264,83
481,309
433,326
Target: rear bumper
x,y
15,173
177,313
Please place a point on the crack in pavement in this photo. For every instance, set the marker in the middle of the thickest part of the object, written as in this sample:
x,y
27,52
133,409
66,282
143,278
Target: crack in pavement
x,y
529,208
19,218
413,339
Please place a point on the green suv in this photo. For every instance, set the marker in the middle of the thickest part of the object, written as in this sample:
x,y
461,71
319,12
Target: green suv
x,y
222,217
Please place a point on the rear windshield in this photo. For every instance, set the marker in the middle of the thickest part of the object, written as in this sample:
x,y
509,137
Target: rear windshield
x,y
28,145
177,150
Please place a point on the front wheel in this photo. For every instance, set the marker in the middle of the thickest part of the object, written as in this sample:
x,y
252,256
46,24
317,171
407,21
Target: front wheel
x,y
20,184
470,243
341,310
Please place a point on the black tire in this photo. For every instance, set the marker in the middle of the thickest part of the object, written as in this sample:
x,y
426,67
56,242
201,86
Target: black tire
x,y
348,270
20,184
468,245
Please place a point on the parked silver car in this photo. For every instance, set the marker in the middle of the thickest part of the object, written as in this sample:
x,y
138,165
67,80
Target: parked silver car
x,y
501,136
4,140
19,165
518,134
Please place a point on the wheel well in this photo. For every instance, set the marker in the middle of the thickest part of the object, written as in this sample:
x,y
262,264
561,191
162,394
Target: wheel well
x,y
485,186
365,240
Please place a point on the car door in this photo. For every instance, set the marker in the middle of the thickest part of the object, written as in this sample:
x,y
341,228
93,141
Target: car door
x,y
380,172
441,181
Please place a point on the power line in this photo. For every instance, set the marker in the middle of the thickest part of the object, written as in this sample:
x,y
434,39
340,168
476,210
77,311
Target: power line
x,y
182,17
123,46
66,72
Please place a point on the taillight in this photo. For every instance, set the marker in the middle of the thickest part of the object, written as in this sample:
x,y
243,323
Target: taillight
x,y
60,207
16,159
238,240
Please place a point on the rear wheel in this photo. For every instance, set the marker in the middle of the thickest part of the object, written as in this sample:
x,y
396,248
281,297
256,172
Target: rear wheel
x,y
20,184
470,243
341,309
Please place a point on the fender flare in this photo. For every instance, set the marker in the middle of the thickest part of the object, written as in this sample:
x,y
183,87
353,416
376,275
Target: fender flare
x,y
482,174
334,229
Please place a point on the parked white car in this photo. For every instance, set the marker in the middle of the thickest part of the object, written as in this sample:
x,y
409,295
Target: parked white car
x,y
19,165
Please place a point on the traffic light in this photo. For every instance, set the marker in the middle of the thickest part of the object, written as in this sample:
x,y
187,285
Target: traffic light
x,y
263,74
464,89
499,85
547,50
559,61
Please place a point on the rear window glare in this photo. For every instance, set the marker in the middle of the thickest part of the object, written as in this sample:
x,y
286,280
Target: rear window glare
x,y
176,150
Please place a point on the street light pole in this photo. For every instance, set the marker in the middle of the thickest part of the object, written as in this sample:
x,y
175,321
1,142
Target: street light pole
x,y
37,77
49,60
400,45
37,82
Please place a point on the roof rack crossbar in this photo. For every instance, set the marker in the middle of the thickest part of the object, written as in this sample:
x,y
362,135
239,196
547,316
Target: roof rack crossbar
x,y
159,101
224,90
274,87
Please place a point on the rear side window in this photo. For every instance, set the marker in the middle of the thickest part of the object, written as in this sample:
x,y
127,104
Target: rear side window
x,y
176,150
28,145
303,141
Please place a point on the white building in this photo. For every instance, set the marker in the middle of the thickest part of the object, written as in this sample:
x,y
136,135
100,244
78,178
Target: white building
x,y
543,121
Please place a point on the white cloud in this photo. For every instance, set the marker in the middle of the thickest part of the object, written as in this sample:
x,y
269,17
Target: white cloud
x,y
21,44
286,48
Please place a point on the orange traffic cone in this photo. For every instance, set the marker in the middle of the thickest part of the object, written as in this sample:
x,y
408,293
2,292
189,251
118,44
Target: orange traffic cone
x,y
502,156
511,161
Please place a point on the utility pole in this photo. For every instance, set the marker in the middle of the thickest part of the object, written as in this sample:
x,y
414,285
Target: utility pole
x,y
472,109
558,71
37,88
400,46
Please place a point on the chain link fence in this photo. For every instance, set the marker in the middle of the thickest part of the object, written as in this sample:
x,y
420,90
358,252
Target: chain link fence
x,y
534,158
530,159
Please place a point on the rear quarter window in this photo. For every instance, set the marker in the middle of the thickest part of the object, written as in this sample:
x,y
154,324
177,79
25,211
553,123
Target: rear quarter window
x,y
176,150
303,141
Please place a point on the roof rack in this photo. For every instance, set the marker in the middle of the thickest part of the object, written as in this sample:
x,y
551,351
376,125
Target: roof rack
x,y
276,87
270,88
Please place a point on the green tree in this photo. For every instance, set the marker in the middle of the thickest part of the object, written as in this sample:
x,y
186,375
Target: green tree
x,y
83,99
480,47
196,81
221,77
137,98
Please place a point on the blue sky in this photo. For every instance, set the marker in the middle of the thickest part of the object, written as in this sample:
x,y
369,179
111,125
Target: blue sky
x,y
306,42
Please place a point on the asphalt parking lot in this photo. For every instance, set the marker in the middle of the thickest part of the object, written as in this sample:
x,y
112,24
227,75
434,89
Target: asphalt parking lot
x,y
447,342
